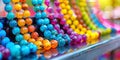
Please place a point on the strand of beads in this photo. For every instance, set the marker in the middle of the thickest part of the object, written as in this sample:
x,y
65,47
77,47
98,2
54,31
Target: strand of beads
x,y
21,46
53,21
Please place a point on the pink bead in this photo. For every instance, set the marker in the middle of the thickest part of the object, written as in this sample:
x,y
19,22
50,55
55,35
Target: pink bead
x,y
47,2
66,27
51,16
56,3
1,48
49,9
69,31
6,53
57,26
62,22
58,10
54,21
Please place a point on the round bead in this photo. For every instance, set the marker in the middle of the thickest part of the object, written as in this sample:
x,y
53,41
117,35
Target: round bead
x,y
21,22
24,6
47,33
40,2
25,50
43,28
19,14
31,40
27,36
28,21
17,7
64,11
1,48
10,16
23,1
9,45
18,37
5,41
61,42
50,26
38,44
75,22
2,33
46,21
54,43
33,48
15,1
24,30
26,13
34,2
35,35
6,53
15,51
13,23
1,25
40,39
8,8
23,42
38,15
43,15
41,8
6,1
69,22
40,22
31,28
46,44
36,8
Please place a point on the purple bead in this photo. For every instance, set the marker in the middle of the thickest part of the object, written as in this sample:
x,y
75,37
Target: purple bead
x,y
51,16
84,37
6,53
58,9
60,16
61,31
57,26
79,37
54,21
47,2
71,36
49,9
56,3
69,31
66,27
1,48
62,22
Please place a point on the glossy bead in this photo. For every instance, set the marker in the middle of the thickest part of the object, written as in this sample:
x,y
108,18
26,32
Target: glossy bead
x,y
23,42
31,40
5,40
38,44
1,48
76,22
41,8
47,33
38,15
18,37
54,43
27,36
24,30
15,1
46,44
40,39
25,50
34,2
62,22
19,14
9,45
69,22
6,1
43,28
47,2
61,42
73,27
62,5
15,51
8,8
6,53
54,32
1,25
10,16
46,21
50,26
64,11
33,48
40,22
25,6
26,13
17,7
40,2
34,35
43,15
28,21
31,28
21,22
2,33
23,1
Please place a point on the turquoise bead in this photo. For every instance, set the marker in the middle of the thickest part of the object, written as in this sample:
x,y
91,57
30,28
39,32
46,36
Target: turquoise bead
x,y
53,37
40,2
15,51
40,22
16,30
9,45
2,33
47,33
61,42
36,8
50,26
0,56
1,25
5,41
23,42
25,50
6,1
42,8
43,15
34,2
33,48
43,28
8,8
10,16
38,15
54,32
13,23
19,37
46,21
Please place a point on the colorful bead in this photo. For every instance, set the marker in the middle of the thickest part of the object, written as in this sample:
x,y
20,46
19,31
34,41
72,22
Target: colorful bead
x,y
23,1
24,30
46,44
34,35
24,6
38,44
1,25
5,41
54,43
40,22
21,22
26,13
25,50
43,14
33,48
38,15
40,2
31,28
17,7
18,37
31,40
27,36
34,2
2,33
46,21
41,8
10,16
23,42
8,8
50,27
15,1
19,14
40,39
28,21
6,1
43,28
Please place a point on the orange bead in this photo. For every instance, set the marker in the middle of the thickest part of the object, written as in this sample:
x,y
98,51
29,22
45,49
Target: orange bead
x,y
24,6
54,52
31,40
31,28
21,22
23,1
48,54
40,39
15,1
27,36
35,35
38,44
24,30
54,43
19,14
17,7
26,13
46,44
28,21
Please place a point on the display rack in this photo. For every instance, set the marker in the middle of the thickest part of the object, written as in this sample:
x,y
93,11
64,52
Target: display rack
x,y
93,51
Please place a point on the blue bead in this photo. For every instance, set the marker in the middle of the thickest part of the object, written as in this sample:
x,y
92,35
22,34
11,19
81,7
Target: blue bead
x,y
43,28
6,1
38,15
2,33
34,2
9,45
61,42
50,27
15,51
33,48
25,50
36,8
47,33
0,56
54,32
19,37
43,14
23,42
46,21
8,8
16,30
42,8
40,22
40,2
5,41
53,37
1,25
10,16
13,23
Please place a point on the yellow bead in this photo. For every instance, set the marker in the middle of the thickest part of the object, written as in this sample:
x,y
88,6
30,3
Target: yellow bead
x,y
15,1
66,17
69,22
70,12
64,11
19,15
21,22
73,27
66,1
31,40
24,30
68,7
27,36
80,26
17,7
26,13
38,44
60,1
73,18
46,44
62,5
75,22
77,30
84,29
